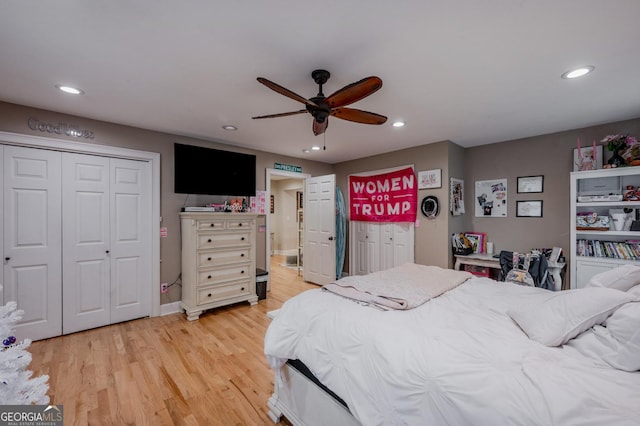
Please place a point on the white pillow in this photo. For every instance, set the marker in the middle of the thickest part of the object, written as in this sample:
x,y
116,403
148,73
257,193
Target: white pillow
x,y
563,315
621,278
617,343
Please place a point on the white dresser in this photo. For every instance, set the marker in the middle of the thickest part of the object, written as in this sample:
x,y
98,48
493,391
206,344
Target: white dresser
x,y
218,260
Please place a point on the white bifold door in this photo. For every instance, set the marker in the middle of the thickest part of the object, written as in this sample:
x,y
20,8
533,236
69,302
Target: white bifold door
x,y
76,240
379,246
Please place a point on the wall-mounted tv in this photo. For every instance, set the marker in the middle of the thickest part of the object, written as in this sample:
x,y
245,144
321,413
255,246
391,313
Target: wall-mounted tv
x,y
209,171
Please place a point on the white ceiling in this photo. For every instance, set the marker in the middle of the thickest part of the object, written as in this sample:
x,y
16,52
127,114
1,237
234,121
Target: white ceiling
x,y
473,72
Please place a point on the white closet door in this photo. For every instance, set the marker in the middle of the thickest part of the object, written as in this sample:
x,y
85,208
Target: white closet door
x,y
403,247
387,246
32,239
130,249
86,295
320,230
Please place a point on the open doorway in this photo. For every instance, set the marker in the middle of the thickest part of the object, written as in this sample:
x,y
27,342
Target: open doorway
x,y
285,219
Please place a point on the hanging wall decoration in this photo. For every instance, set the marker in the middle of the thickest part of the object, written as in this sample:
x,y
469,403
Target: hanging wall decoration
x,y
456,197
491,198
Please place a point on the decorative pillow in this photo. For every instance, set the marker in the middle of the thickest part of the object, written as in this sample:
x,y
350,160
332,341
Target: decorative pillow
x,y
621,278
560,317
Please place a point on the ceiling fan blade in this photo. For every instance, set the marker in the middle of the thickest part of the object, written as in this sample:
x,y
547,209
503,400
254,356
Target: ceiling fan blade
x,y
286,92
282,114
358,115
320,128
354,92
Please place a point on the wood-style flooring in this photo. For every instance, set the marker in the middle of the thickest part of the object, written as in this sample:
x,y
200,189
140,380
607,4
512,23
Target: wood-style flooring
x,y
167,370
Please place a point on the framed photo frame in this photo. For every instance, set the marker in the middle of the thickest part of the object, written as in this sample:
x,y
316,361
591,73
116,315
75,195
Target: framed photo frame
x,y
429,179
530,184
272,204
530,208
587,158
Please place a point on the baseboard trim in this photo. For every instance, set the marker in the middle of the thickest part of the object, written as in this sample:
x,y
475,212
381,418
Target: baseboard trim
x,y
169,308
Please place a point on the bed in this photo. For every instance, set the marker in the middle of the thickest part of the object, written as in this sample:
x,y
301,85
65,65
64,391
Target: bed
x,y
480,353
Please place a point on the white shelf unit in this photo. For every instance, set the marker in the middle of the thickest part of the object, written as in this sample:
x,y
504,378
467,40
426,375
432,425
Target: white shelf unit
x,y
582,268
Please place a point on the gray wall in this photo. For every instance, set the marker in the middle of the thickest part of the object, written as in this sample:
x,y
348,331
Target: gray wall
x,y
431,236
547,155
14,118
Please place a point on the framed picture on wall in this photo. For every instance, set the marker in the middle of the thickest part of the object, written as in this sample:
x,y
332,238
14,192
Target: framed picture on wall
x,y
430,179
529,208
530,184
272,203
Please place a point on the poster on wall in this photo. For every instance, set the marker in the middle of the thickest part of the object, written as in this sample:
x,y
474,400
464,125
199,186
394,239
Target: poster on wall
x,y
456,197
387,197
491,198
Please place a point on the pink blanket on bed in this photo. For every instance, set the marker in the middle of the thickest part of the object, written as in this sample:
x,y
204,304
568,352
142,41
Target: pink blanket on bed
x,y
402,287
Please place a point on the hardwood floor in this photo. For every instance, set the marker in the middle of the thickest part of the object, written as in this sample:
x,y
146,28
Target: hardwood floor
x,y
167,370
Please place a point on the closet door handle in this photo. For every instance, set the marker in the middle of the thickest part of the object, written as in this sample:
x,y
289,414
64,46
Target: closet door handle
x,y
7,259
107,251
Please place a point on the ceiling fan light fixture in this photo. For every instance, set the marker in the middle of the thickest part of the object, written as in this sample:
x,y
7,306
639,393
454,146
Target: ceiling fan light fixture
x,y
398,124
578,72
230,127
315,148
69,89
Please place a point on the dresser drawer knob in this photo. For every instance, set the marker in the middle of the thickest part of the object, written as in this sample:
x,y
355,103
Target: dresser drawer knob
x,y
241,254
209,240
212,225
209,277
241,288
242,239
242,272
209,259
209,295
239,224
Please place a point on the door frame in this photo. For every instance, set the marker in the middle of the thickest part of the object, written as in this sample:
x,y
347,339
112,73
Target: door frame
x,y
268,174
18,139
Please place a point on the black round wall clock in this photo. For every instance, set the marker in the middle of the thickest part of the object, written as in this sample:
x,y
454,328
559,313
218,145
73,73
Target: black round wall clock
x,y
429,206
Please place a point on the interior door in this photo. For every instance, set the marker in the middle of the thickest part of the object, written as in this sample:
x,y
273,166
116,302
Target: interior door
x,y
86,296
130,242
320,230
32,239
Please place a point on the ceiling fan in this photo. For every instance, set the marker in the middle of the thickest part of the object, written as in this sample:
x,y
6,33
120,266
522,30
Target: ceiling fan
x,y
321,107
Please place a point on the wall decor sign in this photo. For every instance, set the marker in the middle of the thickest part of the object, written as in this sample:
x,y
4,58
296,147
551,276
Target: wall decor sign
x,y
287,167
386,197
491,198
430,179
59,128
456,197
530,184
531,208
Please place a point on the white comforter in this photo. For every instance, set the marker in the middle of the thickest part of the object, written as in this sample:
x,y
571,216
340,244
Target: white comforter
x,y
456,360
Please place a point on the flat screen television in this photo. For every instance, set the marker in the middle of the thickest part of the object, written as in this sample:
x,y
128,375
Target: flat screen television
x,y
210,171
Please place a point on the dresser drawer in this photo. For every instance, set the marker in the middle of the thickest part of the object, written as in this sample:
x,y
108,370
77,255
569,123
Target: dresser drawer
x,y
217,275
224,291
216,258
210,224
223,239
239,224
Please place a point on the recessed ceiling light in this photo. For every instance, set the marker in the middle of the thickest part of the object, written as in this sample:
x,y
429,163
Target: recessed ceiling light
x,y
578,72
70,90
230,128
398,124
315,148
306,151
